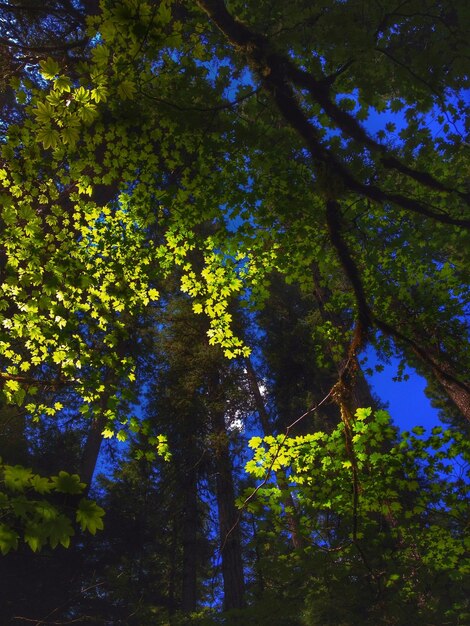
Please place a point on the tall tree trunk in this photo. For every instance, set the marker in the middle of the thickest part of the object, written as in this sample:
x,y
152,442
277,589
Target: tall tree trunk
x,y
452,384
189,538
172,574
229,527
91,451
458,394
94,438
92,447
260,583
229,532
361,395
13,442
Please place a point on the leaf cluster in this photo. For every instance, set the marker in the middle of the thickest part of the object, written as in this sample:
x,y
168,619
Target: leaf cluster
x,y
37,510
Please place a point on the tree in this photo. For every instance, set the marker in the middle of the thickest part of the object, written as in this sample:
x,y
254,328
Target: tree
x,y
348,179
192,391
227,144
374,517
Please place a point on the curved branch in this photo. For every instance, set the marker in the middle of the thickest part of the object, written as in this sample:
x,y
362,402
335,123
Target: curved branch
x,y
220,107
423,354
367,318
333,218
277,71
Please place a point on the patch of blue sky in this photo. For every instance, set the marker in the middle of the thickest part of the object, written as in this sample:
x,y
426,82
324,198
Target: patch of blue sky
x,y
403,394
236,78
409,408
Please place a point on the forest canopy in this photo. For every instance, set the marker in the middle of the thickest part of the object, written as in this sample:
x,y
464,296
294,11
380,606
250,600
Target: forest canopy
x,y
211,212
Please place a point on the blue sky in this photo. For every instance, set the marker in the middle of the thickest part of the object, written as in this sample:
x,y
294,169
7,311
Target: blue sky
x,y
407,402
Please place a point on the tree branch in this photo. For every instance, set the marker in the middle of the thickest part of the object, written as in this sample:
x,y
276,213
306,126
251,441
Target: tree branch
x,y
277,71
63,46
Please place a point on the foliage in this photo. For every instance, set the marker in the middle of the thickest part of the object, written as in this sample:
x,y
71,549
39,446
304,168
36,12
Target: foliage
x,y
222,151
85,187
37,520
392,517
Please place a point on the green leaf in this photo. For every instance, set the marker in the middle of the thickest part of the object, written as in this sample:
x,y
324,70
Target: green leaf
x,y
21,506
17,477
363,414
63,84
255,442
68,483
41,484
49,68
33,538
126,90
70,135
99,94
8,539
89,516
59,356
49,137
43,112
12,385
87,113
100,54
59,530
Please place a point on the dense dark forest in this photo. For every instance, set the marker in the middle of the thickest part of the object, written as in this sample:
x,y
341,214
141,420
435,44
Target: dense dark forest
x,y
210,214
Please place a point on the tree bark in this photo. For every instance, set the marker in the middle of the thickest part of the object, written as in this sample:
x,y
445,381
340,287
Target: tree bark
x,y
457,391
361,395
172,574
91,451
92,446
229,518
189,541
459,396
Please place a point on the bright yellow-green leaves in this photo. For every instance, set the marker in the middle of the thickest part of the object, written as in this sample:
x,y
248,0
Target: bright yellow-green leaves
x,y
92,227
217,284
130,171
65,110
49,68
408,480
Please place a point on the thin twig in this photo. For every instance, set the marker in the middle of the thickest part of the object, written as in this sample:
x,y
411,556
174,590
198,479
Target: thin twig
x,y
268,471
